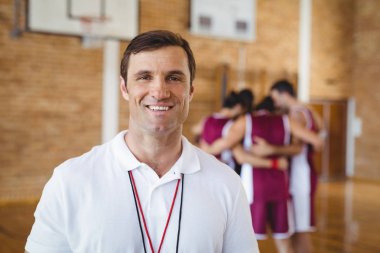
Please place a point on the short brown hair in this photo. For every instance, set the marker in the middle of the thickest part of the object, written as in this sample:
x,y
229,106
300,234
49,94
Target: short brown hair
x,y
154,40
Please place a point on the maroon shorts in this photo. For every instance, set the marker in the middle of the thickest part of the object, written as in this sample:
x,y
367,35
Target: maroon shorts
x,y
274,214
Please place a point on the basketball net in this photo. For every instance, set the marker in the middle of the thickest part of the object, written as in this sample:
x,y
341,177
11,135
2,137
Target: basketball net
x,y
92,28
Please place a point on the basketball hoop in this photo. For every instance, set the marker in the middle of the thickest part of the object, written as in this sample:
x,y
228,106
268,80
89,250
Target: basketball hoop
x,y
92,28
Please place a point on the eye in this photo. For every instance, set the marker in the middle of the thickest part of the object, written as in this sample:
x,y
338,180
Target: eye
x,y
144,77
174,78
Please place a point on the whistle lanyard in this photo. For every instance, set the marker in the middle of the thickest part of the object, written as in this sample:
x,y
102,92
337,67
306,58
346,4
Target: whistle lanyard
x,y
139,211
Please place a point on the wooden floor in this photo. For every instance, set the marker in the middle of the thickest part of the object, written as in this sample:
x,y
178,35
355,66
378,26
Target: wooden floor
x,y
347,220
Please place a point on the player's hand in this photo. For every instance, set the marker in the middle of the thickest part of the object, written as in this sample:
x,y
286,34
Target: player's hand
x,y
261,147
318,146
283,163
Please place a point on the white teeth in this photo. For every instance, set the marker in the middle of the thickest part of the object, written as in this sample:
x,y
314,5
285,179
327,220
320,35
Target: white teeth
x,y
158,108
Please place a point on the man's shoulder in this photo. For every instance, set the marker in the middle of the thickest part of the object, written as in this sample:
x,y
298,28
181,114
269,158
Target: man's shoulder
x,y
85,162
217,170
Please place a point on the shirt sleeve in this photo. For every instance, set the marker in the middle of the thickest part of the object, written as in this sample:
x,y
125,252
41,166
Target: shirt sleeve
x,y
48,231
239,235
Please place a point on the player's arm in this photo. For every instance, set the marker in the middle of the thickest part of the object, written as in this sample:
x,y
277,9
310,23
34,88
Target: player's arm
x,y
235,135
305,134
197,130
322,131
243,156
298,128
317,119
198,127
262,148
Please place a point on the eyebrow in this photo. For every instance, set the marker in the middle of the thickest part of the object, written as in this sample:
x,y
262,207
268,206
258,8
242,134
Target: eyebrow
x,y
142,72
172,72
176,72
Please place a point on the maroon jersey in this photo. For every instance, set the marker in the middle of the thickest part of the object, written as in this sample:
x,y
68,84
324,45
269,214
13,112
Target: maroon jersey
x,y
215,127
268,184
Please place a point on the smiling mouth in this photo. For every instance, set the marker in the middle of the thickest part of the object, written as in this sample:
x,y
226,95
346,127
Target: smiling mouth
x,y
158,108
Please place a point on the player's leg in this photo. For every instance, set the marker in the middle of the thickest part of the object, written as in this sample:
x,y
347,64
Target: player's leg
x,y
259,219
283,245
304,222
280,226
301,242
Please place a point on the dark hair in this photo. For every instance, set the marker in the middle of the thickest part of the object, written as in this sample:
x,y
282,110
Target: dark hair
x,y
231,100
267,104
154,40
284,86
246,100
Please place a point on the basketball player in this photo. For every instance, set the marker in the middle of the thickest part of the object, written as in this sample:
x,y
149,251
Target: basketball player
x,y
217,125
303,177
246,98
148,189
237,133
267,190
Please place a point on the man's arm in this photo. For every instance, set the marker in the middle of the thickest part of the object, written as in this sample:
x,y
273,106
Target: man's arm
x,y
299,132
235,134
48,230
305,134
322,131
263,148
317,119
243,156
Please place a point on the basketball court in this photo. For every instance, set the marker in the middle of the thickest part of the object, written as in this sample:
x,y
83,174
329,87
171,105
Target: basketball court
x,y
59,94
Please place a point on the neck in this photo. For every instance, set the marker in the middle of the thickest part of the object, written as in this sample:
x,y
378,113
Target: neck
x,y
292,102
158,151
225,112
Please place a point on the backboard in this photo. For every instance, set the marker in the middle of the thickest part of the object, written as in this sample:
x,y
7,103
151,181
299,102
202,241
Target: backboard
x,y
117,19
224,19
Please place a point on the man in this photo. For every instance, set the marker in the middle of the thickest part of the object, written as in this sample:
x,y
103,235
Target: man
x,y
303,177
148,189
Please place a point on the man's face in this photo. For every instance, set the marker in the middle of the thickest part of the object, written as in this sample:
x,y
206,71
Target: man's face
x,y
278,99
158,89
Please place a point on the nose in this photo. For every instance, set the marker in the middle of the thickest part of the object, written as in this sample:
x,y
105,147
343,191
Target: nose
x,y
159,89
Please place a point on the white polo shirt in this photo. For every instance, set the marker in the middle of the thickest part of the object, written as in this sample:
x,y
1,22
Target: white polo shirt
x,y
88,205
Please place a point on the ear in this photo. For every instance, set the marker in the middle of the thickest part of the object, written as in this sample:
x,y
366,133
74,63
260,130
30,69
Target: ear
x,y
124,89
191,92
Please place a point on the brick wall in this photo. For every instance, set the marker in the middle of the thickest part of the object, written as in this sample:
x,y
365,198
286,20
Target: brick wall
x,y
50,95
366,76
331,49
49,105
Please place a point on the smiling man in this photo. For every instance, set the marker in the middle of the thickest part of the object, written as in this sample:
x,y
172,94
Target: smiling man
x,y
148,189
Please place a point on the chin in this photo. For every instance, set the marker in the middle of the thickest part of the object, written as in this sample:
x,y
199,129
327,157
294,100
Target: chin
x,y
162,130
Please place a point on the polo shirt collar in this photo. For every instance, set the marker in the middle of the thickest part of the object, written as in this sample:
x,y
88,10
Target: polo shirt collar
x,y
187,163
189,160
127,160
